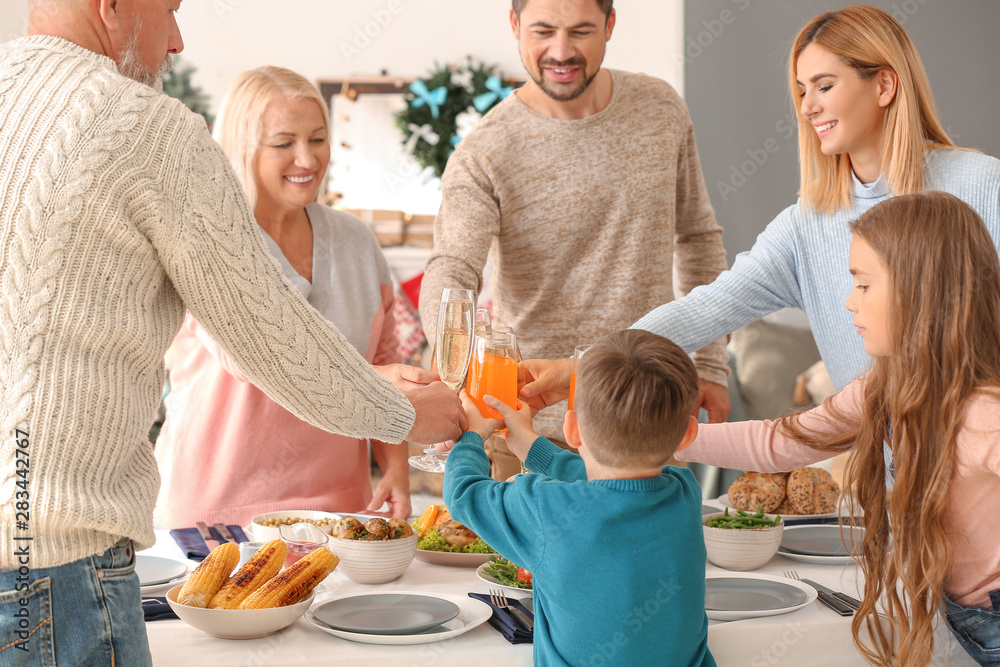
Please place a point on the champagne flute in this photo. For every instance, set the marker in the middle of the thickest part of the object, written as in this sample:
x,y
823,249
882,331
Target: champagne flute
x,y
483,321
452,350
454,336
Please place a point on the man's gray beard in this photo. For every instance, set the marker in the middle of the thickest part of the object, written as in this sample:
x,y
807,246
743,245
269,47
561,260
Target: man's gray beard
x,y
131,64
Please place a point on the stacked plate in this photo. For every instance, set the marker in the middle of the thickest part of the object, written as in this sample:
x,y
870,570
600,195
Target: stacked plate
x,y
155,572
399,617
822,544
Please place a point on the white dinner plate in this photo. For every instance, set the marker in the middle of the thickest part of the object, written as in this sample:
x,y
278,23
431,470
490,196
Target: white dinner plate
x,y
473,614
493,581
816,560
386,613
822,540
453,559
154,570
731,596
789,518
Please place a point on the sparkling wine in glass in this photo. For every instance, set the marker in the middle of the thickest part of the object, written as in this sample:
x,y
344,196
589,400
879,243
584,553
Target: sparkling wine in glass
x,y
454,341
453,347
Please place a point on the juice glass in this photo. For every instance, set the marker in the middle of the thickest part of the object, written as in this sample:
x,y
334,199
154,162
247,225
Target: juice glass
x,y
495,366
577,355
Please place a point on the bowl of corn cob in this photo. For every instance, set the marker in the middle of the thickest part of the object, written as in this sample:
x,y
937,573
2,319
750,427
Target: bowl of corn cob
x,y
257,600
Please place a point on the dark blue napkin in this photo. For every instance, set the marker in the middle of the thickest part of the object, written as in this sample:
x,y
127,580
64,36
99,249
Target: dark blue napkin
x,y
504,622
157,609
194,547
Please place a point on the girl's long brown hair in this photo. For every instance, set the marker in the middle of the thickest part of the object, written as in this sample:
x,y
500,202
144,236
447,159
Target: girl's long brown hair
x,y
869,40
945,316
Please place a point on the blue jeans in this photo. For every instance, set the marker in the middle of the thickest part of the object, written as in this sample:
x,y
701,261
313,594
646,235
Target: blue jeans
x,y
87,612
977,629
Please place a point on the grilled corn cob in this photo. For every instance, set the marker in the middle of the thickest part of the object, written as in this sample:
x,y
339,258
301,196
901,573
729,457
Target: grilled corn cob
x,y
209,576
262,566
295,583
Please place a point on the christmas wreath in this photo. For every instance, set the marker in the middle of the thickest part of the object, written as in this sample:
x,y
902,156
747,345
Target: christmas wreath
x,y
444,107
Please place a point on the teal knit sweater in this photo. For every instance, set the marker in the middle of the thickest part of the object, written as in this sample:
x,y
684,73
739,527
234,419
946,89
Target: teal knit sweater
x,y
618,564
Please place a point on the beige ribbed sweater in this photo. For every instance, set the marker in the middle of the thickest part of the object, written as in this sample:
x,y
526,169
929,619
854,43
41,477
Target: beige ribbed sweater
x,y
117,211
587,222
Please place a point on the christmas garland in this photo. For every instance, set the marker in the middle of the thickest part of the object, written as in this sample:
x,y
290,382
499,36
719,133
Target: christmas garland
x,y
442,109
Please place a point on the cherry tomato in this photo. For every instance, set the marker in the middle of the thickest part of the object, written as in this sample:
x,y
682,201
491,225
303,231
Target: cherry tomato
x,y
523,576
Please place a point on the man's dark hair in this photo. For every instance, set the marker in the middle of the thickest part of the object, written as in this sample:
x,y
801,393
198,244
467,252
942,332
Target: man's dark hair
x,y
605,5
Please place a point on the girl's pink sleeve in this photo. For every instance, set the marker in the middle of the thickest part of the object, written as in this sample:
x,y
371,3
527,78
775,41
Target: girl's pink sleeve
x,y
761,447
387,351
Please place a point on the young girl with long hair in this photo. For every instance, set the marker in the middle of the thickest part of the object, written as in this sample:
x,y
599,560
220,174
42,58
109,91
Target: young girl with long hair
x,y
922,427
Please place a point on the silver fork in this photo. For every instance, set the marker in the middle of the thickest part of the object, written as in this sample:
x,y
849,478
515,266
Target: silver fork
x,y
825,595
500,600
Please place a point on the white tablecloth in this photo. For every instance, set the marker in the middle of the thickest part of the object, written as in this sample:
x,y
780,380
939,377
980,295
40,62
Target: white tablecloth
x,y
811,636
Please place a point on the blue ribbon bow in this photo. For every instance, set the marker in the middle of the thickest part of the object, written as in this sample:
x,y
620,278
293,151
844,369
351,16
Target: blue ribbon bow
x,y
432,98
497,91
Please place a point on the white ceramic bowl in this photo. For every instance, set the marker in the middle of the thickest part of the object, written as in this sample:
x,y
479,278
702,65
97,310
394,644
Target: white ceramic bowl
x,y
262,533
741,548
237,623
373,561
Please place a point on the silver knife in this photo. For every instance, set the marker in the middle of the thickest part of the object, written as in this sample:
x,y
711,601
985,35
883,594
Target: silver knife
x,y
225,532
841,603
206,535
843,597
521,618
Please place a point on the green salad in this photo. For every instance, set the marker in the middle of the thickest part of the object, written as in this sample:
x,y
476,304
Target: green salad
x,y
506,573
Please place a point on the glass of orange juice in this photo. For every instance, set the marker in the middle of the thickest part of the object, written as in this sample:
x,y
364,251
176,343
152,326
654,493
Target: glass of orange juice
x,y
495,366
577,355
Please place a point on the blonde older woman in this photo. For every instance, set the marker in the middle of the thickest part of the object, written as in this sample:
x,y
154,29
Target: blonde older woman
x,y
226,451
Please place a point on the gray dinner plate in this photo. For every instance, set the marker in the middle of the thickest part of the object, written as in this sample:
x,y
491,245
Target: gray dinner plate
x,y
740,594
709,509
822,539
386,613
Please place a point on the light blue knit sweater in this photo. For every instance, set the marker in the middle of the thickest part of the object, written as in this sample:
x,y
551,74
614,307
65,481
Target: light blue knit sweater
x,y
801,261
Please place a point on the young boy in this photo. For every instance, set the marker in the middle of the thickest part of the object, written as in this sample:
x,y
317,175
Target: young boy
x,y
612,538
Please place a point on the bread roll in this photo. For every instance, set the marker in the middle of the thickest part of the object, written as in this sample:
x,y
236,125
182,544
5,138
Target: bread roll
x,y
752,488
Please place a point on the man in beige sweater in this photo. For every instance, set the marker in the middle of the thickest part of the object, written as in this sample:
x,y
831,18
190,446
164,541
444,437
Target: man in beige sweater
x,y
585,186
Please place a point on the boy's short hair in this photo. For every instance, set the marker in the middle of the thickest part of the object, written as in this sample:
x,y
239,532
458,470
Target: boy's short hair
x,y
634,393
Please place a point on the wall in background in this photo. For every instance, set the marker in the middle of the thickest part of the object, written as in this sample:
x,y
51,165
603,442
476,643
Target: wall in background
x,y
736,88
325,39
13,19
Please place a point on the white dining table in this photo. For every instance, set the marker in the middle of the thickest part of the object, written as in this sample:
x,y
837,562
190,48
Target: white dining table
x,y
811,636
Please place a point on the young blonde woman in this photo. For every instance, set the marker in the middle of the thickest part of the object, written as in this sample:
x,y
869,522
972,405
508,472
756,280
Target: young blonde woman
x,y
227,452
868,131
925,421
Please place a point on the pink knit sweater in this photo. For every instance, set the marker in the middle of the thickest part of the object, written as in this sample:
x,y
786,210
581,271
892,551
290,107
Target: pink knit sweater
x,y
972,520
227,452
